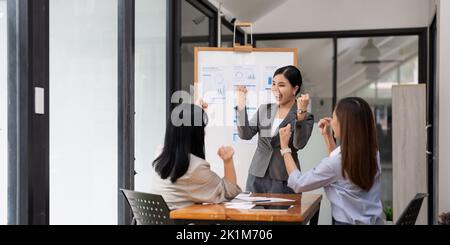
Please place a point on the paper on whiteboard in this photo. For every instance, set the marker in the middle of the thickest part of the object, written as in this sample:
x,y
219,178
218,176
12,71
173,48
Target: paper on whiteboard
x,y
267,79
214,86
245,75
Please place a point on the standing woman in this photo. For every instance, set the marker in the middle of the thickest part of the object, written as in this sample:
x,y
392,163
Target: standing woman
x,y
267,173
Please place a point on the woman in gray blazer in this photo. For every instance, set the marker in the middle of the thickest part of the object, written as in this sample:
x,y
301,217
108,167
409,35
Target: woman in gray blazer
x,y
267,173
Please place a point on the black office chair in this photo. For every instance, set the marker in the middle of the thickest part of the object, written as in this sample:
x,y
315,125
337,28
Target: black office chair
x,y
148,209
409,215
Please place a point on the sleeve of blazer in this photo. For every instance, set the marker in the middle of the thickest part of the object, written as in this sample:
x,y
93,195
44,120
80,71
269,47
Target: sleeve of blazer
x,y
302,131
207,187
246,130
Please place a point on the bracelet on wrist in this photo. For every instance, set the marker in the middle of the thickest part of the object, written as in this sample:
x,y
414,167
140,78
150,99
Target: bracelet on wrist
x,y
285,151
301,111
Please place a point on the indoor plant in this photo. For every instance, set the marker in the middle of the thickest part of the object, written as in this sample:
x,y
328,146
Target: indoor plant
x,y
444,219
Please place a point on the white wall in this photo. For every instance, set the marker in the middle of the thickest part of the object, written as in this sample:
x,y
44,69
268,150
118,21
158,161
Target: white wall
x,y
431,10
443,73
331,15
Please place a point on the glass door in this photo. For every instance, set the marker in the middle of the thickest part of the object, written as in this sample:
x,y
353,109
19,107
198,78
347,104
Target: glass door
x,y
83,112
150,90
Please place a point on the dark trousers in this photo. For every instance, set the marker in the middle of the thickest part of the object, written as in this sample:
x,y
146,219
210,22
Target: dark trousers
x,y
267,185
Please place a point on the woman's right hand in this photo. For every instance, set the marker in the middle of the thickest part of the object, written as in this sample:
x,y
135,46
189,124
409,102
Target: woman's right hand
x,y
201,103
241,96
324,125
226,153
285,136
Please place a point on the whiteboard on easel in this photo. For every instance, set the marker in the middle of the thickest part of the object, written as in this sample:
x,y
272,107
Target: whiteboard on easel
x,y
217,73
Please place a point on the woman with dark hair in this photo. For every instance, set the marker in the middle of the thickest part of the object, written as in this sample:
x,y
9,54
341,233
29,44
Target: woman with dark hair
x,y
351,174
267,173
183,177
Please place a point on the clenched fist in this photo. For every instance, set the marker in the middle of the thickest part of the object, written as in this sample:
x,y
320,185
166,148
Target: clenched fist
x,y
324,125
226,153
285,136
303,102
202,104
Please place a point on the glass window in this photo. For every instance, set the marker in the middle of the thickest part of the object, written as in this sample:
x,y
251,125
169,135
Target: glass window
x,y
227,37
315,58
368,68
83,112
193,22
409,71
227,44
187,65
150,91
226,31
3,116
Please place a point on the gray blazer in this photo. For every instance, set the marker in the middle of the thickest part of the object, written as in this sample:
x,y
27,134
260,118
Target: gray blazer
x,y
267,156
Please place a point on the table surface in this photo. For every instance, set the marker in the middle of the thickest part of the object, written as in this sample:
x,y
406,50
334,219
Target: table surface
x,y
304,207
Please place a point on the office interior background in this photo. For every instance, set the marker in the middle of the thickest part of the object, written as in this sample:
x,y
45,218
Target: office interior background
x,y
109,67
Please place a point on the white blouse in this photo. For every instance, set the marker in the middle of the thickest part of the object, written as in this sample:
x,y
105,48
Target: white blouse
x,y
275,124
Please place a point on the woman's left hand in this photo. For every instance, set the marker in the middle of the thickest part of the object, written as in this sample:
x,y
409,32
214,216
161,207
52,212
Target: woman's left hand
x,y
200,102
226,153
285,136
303,102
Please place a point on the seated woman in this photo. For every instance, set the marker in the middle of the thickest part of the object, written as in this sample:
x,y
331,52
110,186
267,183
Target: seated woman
x,y
351,174
183,177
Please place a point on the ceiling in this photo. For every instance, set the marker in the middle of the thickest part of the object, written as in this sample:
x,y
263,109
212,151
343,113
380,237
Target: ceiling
x,y
250,10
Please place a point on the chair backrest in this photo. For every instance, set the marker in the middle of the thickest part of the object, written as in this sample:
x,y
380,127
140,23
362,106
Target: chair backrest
x,y
148,209
409,215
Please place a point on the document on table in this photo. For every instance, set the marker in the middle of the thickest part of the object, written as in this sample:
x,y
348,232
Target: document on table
x,y
246,197
239,205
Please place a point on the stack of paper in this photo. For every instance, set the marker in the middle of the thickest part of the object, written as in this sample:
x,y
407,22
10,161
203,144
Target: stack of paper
x,y
247,198
239,205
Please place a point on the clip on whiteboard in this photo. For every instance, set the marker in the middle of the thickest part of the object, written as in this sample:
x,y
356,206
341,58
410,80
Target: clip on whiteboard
x,y
237,47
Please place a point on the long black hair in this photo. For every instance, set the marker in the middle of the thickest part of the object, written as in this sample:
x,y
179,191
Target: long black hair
x,y
185,135
292,74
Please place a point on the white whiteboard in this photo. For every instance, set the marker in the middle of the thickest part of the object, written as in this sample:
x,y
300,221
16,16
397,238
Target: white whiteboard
x,y
217,72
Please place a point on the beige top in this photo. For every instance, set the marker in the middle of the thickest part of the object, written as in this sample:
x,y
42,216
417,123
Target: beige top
x,y
198,185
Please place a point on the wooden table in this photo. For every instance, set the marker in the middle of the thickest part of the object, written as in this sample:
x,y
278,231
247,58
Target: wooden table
x,y
305,209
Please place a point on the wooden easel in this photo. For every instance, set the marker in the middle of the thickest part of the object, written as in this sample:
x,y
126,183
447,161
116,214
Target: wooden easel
x,y
246,47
